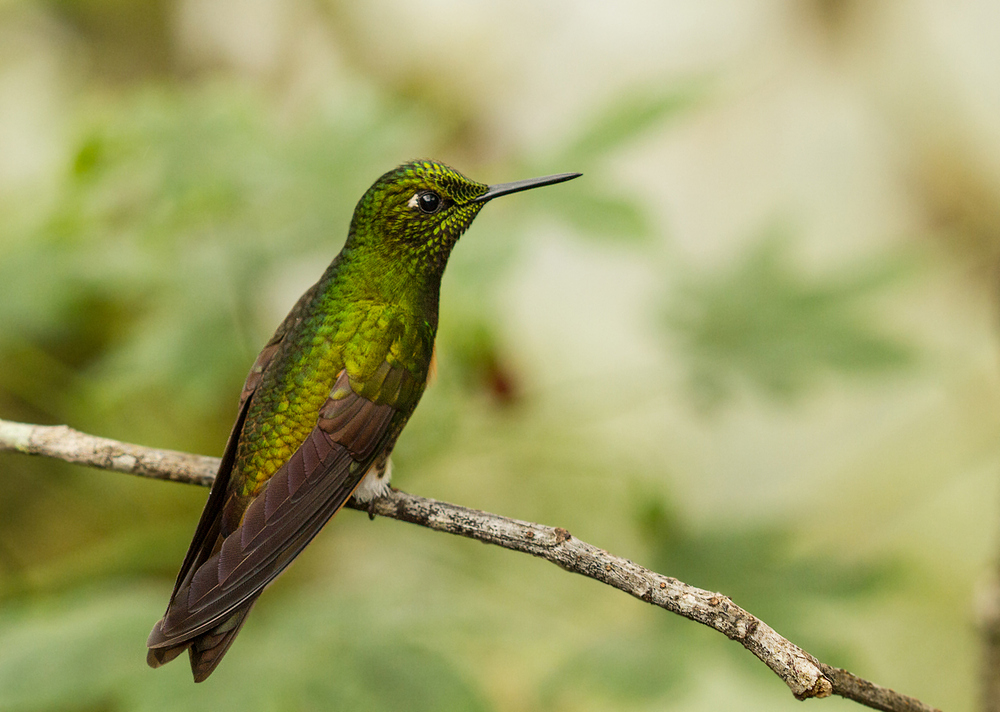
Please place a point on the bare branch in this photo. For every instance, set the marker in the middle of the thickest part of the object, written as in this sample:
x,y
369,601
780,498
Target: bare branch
x,y
805,675
988,614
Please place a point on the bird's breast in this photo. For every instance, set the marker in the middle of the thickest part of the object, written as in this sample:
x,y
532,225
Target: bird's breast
x,y
285,407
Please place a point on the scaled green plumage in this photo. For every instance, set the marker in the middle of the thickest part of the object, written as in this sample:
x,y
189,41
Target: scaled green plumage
x,y
323,403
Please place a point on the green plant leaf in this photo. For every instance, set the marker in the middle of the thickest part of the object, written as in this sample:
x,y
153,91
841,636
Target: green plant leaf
x,y
765,325
628,117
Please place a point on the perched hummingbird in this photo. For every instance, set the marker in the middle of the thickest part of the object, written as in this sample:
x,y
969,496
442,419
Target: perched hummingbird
x,y
324,403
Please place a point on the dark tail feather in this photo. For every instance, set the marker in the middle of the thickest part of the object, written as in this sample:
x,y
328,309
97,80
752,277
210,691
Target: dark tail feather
x,y
205,650
161,656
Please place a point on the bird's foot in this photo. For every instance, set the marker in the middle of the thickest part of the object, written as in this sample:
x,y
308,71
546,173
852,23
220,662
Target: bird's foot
x,y
374,500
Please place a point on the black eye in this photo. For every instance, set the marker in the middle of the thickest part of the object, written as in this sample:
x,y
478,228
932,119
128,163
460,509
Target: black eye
x,y
429,202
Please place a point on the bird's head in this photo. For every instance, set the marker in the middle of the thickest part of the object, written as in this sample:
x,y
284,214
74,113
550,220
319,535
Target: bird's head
x,y
419,210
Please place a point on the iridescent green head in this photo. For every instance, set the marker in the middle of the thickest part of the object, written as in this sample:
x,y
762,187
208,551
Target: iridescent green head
x,y
419,210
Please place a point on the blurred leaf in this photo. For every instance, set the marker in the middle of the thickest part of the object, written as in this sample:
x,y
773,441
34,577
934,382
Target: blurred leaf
x,y
764,324
83,651
478,358
593,212
588,204
72,655
761,569
630,668
758,566
627,118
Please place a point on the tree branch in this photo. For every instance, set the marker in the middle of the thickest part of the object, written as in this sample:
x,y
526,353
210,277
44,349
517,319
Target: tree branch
x,y
805,675
988,615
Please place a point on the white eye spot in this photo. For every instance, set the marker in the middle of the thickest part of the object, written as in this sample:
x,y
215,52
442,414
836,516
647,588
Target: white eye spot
x,y
413,201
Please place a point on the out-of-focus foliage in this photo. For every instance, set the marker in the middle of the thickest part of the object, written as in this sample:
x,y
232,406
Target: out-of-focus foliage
x,y
780,587
597,208
175,208
371,666
762,323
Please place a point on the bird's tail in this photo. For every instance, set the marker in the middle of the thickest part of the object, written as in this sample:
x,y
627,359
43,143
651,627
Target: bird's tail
x,y
205,649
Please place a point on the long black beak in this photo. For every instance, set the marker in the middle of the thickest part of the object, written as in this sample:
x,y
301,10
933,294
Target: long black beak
x,y
517,186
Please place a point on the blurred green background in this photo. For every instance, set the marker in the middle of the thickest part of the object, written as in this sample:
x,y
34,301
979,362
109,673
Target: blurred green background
x,y
754,347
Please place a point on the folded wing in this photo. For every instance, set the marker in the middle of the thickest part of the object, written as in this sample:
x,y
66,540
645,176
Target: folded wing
x,y
222,577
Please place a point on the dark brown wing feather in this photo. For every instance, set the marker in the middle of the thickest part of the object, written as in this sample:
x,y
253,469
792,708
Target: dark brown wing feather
x,y
203,616
207,533
208,649
218,584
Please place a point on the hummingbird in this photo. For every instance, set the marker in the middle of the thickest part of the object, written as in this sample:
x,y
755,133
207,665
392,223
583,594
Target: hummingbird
x,y
324,403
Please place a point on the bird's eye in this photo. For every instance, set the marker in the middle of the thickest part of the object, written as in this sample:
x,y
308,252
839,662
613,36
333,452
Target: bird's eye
x,y
429,202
